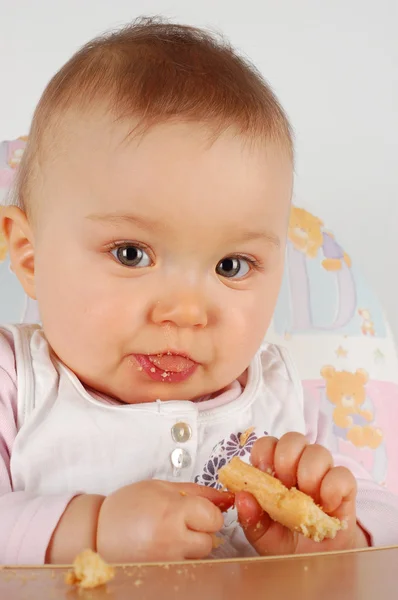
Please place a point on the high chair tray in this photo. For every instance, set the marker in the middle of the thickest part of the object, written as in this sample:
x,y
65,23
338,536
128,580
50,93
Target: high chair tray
x,y
362,575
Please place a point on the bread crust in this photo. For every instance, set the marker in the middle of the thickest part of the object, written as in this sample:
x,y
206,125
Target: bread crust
x,y
89,571
289,507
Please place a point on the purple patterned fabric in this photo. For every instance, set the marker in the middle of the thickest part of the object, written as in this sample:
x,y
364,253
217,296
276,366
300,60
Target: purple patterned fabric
x,y
237,444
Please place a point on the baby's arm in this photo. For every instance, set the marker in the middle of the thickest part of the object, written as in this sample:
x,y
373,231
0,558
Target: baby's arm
x,y
145,521
28,521
149,520
76,529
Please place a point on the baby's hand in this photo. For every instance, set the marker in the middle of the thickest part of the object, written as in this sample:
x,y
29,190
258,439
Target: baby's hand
x,y
160,521
309,468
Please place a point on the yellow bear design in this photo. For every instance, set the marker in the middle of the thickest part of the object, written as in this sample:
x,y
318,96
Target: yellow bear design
x,y
347,392
307,236
305,232
367,326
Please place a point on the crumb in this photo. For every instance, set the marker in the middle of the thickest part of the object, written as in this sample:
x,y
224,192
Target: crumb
x,y
70,578
153,370
140,369
183,493
217,541
245,436
304,530
89,571
165,374
138,582
305,568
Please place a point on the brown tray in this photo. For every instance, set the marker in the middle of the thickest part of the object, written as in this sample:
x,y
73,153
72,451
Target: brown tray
x,y
363,575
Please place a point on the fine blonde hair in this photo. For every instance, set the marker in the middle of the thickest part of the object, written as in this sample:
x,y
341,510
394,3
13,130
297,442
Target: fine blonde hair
x,y
155,71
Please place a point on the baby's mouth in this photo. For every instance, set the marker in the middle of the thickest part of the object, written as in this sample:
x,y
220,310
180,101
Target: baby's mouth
x,y
168,367
174,363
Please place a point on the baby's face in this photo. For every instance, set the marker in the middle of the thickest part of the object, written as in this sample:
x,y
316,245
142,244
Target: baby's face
x,y
158,260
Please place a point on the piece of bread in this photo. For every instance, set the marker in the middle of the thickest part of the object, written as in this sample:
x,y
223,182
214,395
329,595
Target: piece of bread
x,y
291,508
89,571
216,541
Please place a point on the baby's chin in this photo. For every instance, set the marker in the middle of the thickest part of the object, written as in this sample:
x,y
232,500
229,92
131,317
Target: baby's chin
x,y
141,390
181,392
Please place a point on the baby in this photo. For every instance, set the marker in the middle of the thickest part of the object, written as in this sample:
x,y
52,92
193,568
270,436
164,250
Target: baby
x,y
149,220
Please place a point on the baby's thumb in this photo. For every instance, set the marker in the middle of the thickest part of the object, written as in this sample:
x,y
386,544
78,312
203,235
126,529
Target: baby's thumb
x,y
223,500
253,520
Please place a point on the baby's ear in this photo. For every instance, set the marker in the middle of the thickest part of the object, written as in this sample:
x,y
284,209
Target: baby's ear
x,y
19,237
328,372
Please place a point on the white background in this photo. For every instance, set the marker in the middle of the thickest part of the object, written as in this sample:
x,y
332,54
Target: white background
x,y
333,63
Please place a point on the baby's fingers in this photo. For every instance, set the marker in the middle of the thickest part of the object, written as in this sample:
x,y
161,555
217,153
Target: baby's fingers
x,y
338,493
266,536
315,462
197,545
254,521
223,500
202,515
281,456
263,453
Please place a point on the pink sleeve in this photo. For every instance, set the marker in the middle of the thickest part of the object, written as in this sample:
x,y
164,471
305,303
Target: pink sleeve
x,y
377,508
27,521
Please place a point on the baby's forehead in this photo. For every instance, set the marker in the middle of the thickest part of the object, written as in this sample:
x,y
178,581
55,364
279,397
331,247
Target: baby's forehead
x,y
102,136
105,162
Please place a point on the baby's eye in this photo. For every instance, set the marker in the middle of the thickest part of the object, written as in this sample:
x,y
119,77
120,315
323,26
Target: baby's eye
x,y
132,256
233,268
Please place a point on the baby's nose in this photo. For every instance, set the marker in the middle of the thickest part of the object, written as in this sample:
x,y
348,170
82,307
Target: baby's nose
x,y
183,310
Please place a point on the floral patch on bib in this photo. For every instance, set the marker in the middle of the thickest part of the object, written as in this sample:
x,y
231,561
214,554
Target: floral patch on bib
x,y
237,444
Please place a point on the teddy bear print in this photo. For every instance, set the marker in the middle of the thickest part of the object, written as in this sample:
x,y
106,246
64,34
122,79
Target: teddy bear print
x,y
367,326
15,152
347,392
307,236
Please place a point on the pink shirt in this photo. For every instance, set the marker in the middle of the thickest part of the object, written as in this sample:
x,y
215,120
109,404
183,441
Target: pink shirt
x,y
27,521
